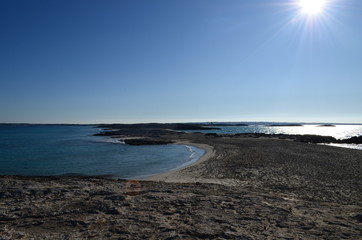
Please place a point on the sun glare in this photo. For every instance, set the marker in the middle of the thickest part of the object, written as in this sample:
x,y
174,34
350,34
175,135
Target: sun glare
x,y
312,7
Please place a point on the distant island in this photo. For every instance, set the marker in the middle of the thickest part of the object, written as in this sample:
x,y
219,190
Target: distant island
x,y
326,125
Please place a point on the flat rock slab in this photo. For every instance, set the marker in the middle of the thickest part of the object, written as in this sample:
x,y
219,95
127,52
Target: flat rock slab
x,y
79,208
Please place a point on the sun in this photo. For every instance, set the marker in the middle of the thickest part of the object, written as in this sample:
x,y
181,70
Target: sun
x,y
312,7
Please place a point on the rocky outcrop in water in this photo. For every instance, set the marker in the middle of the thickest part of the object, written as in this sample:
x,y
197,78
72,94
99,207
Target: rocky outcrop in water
x,y
356,140
148,129
327,125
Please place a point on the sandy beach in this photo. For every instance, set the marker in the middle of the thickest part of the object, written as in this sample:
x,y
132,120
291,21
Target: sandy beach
x,y
177,174
242,188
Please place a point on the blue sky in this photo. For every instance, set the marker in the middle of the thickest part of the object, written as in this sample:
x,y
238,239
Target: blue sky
x,y
174,61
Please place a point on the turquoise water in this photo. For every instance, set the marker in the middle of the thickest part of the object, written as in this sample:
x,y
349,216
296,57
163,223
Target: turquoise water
x,y
66,150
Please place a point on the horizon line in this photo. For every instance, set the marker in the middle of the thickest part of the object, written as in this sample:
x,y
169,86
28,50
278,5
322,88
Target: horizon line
x,y
181,122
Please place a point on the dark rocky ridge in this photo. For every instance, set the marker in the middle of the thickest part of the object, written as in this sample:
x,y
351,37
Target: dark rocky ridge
x,y
155,132
305,138
355,140
146,141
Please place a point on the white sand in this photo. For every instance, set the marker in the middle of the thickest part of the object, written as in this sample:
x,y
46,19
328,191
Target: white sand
x,y
180,175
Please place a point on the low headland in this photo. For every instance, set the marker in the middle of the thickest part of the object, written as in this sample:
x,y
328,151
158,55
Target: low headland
x,y
246,186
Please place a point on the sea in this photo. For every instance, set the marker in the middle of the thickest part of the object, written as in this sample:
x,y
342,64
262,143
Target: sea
x,y
52,150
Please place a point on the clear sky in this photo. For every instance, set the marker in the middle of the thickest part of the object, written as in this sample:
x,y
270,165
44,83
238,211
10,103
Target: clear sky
x,y
179,60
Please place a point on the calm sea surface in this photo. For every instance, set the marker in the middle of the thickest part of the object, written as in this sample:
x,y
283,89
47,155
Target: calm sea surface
x,y
66,150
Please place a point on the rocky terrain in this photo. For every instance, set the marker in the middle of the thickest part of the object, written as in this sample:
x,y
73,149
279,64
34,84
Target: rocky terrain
x,y
93,208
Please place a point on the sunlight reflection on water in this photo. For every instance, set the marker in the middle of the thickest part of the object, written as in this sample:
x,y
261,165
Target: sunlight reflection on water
x,y
338,131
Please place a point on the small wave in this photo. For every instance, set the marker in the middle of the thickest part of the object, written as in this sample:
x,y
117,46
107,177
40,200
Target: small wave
x,y
191,151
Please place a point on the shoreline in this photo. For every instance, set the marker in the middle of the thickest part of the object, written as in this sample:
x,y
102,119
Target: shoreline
x,y
243,187
174,174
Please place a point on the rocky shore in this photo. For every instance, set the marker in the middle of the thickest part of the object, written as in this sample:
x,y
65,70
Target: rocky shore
x,y
157,130
246,187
